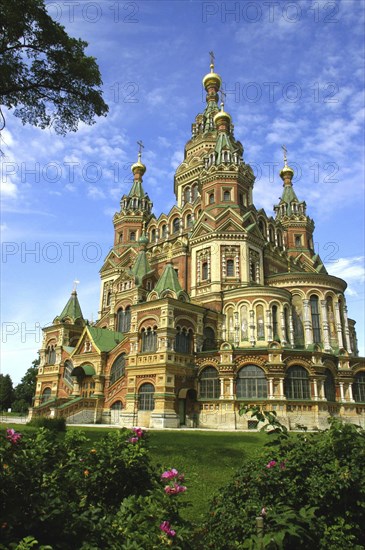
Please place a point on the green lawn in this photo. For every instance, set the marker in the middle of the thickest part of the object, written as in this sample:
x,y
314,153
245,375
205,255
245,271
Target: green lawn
x,y
207,458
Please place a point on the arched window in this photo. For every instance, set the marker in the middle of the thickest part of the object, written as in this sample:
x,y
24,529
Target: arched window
x,y
271,235
298,321
260,323
120,238
183,340
132,236
230,268
67,371
275,324
189,220
227,196
316,320
187,194
296,383
286,323
280,238
108,297
176,225
211,198
117,406
331,320
164,231
124,319
244,323
298,241
359,387
209,342
149,339
329,386
230,325
204,271
262,228
194,192
46,395
146,400
209,384
251,383
51,355
153,235
118,369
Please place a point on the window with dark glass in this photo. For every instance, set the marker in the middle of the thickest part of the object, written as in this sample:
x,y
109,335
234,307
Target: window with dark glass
x,y
275,325
298,241
251,383
359,387
227,196
46,395
316,321
211,198
124,319
67,371
205,270
164,231
183,340
146,400
132,236
118,368
149,339
51,358
189,220
175,225
296,383
230,268
209,384
329,386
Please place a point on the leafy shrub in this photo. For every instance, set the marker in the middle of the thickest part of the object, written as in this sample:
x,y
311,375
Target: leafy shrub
x,y
68,493
53,424
308,488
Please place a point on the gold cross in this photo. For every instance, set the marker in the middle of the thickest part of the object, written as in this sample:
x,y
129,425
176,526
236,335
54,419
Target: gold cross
x,y
285,152
141,146
212,59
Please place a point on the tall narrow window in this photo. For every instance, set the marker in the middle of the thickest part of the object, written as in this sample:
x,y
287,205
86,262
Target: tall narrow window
x,y
230,268
149,339
164,231
260,323
124,319
51,359
244,323
329,386
189,220
46,395
204,271
227,196
316,321
230,325
286,324
67,371
209,384
153,235
176,225
187,194
359,387
275,324
194,192
209,342
296,383
132,236
211,198
298,321
146,400
118,369
183,340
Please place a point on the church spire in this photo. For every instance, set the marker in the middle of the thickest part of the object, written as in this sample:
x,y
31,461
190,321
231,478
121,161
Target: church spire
x,y
212,83
72,310
137,199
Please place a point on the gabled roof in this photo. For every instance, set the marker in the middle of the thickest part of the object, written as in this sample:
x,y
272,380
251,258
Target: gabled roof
x,y
105,339
168,281
141,267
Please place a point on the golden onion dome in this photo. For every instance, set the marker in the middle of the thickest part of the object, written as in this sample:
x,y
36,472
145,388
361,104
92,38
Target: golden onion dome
x,y
222,115
286,170
138,166
212,78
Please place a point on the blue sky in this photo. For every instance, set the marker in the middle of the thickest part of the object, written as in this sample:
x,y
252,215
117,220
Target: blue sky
x,y
294,75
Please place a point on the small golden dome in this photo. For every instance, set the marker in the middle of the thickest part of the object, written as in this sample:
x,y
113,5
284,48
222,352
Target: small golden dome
x,y
286,170
222,114
212,78
138,166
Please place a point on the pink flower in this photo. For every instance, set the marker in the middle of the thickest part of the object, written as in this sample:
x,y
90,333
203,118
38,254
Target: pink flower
x,y
13,436
170,474
133,440
271,464
165,527
282,465
174,489
263,512
138,431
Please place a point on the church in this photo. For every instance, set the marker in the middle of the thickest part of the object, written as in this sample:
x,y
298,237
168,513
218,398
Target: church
x,y
209,307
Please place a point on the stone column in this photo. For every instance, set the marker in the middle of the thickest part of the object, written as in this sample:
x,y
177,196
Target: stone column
x,y
269,327
291,330
281,388
347,330
338,324
351,397
308,334
76,387
252,327
315,389
271,388
221,385
342,393
325,326
321,390
236,328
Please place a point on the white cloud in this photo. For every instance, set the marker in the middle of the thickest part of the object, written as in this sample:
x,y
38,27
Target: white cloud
x,y
350,269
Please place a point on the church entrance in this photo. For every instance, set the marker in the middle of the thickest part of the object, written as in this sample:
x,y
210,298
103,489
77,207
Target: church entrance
x,y
186,404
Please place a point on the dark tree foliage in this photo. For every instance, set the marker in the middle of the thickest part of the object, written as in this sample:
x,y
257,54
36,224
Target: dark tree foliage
x,y
25,390
44,73
6,391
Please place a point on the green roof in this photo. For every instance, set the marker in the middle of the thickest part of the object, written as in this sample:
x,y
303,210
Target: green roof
x,y
168,281
105,339
137,190
223,143
72,309
141,267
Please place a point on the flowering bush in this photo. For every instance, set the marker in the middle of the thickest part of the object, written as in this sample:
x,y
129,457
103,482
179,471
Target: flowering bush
x,y
308,488
68,493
